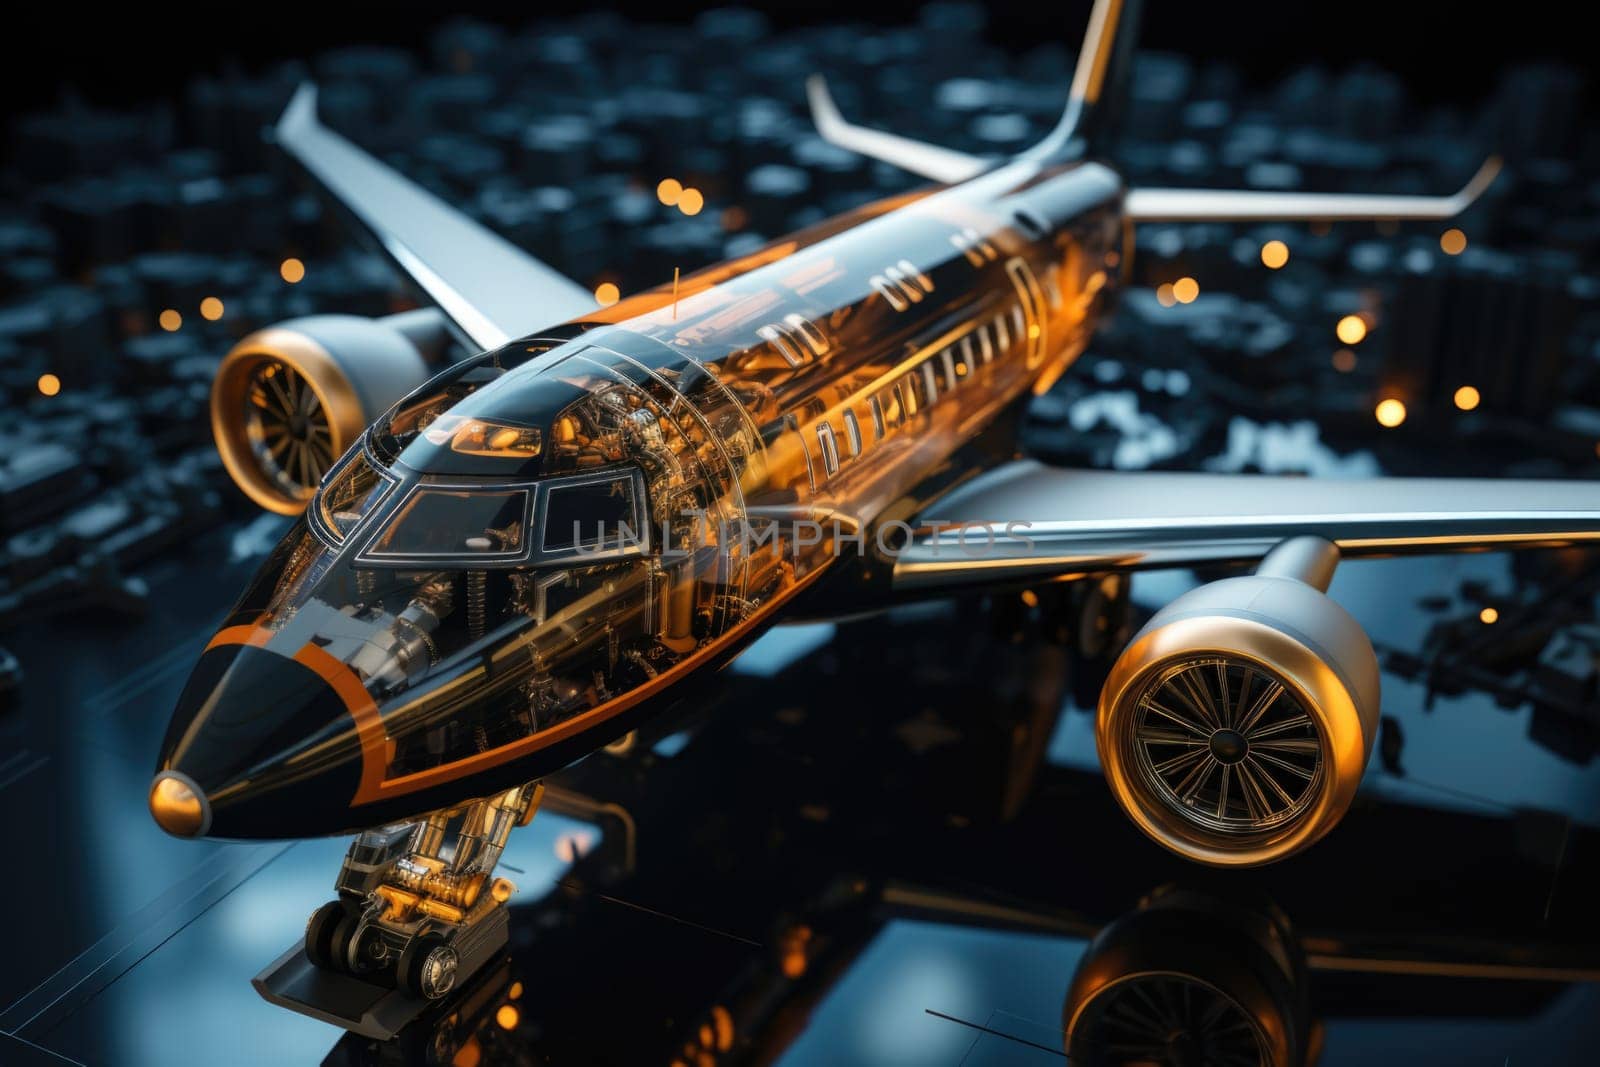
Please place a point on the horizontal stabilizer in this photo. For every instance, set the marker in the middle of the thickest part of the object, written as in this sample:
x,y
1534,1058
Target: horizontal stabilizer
x,y
930,161
1248,205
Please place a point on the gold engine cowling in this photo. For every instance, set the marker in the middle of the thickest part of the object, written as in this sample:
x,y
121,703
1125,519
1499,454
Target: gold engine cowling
x,y
288,400
1235,727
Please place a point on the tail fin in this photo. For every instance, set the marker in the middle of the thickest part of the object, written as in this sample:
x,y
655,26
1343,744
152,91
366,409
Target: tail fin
x,y
1099,81
1099,84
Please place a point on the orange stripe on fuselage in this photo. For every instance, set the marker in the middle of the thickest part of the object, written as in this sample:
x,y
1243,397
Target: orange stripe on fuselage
x,y
251,635
342,680
359,703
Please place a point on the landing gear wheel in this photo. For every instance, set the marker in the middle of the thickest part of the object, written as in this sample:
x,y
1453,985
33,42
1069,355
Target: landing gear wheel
x,y
319,934
344,932
365,950
427,967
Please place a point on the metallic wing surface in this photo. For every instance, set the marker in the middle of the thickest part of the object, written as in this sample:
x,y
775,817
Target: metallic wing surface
x,y
489,289
1028,522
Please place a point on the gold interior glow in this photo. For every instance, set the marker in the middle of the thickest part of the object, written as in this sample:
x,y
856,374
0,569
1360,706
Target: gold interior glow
x,y
480,437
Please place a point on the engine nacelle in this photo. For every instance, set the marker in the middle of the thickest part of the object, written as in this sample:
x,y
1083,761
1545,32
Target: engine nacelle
x,y
1235,727
288,400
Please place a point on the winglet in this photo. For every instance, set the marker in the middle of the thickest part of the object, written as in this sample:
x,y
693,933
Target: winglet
x,y
1478,184
824,112
301,111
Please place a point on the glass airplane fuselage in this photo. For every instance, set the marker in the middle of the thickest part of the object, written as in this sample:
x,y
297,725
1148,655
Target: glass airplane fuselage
x,y
522,559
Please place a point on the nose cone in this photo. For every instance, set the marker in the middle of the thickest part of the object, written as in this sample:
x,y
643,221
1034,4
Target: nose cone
x,y
178,805
262,745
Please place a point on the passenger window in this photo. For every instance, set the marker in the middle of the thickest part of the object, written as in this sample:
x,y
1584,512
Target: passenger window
x,y
777,340
830,448
948,360
852,433
895,414
878,426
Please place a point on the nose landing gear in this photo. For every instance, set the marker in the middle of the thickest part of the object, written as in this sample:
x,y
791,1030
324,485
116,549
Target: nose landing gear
x,y
418,909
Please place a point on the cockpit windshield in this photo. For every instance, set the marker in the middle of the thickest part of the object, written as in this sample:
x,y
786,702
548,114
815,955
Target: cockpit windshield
x,y
437,428
476,524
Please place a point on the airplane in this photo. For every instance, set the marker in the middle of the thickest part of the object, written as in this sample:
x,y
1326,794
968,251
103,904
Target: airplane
x,y
448,622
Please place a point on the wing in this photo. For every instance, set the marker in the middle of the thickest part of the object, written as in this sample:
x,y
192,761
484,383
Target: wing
x,y
1249,205
491,290
1027,522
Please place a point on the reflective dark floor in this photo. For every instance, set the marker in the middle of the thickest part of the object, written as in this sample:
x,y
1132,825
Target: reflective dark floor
x,y
880,842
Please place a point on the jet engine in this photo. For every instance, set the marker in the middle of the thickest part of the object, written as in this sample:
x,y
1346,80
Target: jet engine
x,y
288,400
1235,727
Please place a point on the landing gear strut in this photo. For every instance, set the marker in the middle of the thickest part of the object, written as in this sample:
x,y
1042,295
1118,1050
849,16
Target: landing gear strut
x,y
418,909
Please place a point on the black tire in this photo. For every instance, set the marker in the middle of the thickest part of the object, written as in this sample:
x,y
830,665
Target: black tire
x,y
427,967
344,933
367,951
319,934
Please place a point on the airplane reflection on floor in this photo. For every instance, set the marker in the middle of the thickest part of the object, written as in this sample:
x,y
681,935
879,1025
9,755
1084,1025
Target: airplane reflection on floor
x,y
860,849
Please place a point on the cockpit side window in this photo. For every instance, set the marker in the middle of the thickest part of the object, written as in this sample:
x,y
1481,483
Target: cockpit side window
x,y
593,516
352,491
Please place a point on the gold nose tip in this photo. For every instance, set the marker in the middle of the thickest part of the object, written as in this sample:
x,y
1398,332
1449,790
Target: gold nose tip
x,y
177,805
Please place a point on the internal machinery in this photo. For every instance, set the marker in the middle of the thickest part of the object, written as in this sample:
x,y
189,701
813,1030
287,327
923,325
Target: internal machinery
x,y
418,902
457,543
1235,727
